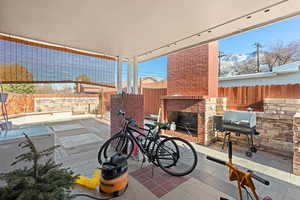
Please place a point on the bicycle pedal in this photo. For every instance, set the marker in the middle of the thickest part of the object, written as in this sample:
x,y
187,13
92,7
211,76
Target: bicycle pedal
x,y
143,161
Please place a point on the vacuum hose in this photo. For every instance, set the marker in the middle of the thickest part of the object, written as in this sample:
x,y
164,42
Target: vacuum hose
x,y
92,197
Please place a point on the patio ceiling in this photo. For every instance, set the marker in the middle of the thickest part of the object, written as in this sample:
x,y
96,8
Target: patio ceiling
x,y
143,28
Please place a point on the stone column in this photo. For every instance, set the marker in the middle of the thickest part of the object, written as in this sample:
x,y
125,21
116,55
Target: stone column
x,y
129,76
135,75
119,75
296,160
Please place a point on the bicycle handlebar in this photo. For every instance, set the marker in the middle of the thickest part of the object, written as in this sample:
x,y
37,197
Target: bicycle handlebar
x,y
123,114
222,162
258,178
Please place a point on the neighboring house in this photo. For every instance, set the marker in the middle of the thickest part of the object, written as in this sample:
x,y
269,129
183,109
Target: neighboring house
x,y
156,84
93,89
146,82
281,75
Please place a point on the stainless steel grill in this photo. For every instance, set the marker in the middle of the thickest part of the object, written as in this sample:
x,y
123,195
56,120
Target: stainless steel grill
x,y
240,122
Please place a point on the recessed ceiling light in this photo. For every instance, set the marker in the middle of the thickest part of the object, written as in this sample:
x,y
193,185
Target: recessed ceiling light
x,y
267,10
248,17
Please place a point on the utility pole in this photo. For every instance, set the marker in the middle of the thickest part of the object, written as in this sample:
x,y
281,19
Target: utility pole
x,y
258,46
221,54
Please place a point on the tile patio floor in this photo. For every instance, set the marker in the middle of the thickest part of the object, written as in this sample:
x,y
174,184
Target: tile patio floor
x,y
207,182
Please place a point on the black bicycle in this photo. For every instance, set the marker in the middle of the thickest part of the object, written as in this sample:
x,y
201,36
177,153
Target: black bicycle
x,y
174,155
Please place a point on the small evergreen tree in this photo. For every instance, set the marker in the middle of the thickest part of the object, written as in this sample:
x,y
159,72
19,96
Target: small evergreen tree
x,y
46,181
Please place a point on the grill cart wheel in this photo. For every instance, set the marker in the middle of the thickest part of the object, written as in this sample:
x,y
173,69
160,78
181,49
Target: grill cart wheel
x,y
249,154
253,149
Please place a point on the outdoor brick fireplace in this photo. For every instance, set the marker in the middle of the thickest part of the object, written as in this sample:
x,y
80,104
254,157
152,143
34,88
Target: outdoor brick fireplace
x,y
192,92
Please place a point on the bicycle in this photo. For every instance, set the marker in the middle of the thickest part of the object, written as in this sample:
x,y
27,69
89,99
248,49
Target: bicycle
x,y
164,152
243,179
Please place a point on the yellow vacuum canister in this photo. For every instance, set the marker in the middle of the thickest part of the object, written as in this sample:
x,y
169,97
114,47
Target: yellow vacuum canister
x,y
114,176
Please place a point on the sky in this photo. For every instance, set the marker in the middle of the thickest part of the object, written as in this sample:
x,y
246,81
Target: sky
x,y
285,31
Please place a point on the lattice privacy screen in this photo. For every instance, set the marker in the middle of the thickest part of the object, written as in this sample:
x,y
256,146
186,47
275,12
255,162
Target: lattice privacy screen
x,y
28,62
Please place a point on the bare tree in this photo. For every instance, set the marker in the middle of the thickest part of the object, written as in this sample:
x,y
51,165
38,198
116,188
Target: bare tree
x,y
280,54
246,67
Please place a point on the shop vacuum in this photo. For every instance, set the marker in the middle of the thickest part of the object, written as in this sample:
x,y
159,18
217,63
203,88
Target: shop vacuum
x,y
113,179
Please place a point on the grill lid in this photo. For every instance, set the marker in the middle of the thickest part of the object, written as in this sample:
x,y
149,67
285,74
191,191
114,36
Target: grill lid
x,y
240,118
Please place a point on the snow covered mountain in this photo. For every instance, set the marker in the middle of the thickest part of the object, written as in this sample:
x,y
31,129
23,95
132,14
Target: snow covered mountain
x,y
229,62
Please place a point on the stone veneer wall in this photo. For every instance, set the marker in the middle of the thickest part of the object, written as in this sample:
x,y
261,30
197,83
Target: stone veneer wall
x,y
296,159
213,106
275,125
75,103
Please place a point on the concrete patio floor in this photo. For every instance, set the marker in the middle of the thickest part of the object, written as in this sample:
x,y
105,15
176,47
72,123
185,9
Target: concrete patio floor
x,y
208,181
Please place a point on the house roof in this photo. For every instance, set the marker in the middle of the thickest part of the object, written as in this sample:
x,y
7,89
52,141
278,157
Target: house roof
x,y
283,69
157,84
143,28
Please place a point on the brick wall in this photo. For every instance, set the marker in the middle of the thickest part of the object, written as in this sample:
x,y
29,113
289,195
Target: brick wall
x,y
132,104
187,104
296,159
205,108
194,71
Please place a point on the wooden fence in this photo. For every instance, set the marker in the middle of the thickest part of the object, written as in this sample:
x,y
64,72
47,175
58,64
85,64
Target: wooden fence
x,y
238,98
152,99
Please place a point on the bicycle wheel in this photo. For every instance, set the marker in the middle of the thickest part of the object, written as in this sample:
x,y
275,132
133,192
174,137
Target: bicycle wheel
x,y
116,144
119,144
176,156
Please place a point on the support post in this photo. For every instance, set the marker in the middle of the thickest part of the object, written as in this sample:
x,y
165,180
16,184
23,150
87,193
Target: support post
x,y
119,75
129,76
135,75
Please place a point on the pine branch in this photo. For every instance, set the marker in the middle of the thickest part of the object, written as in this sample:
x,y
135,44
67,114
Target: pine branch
x,y
45,181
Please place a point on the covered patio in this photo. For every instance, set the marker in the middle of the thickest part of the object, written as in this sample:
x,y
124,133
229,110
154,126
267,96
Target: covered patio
x,y
132,32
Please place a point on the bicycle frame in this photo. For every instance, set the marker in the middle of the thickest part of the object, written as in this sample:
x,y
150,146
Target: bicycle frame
x,y
147,138
128,130
244,179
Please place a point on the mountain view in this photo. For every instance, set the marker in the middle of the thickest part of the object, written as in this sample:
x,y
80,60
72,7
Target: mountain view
x,y
276,54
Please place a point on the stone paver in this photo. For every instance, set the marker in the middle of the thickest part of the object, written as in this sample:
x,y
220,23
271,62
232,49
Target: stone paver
x,y
78,140
65,127
209,181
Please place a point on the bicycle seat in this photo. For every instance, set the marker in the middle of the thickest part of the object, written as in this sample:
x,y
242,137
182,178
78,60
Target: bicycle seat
x,y
162,125
150,126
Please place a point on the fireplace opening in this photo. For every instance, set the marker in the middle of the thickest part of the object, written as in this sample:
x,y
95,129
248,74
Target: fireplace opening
x,y
186,122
